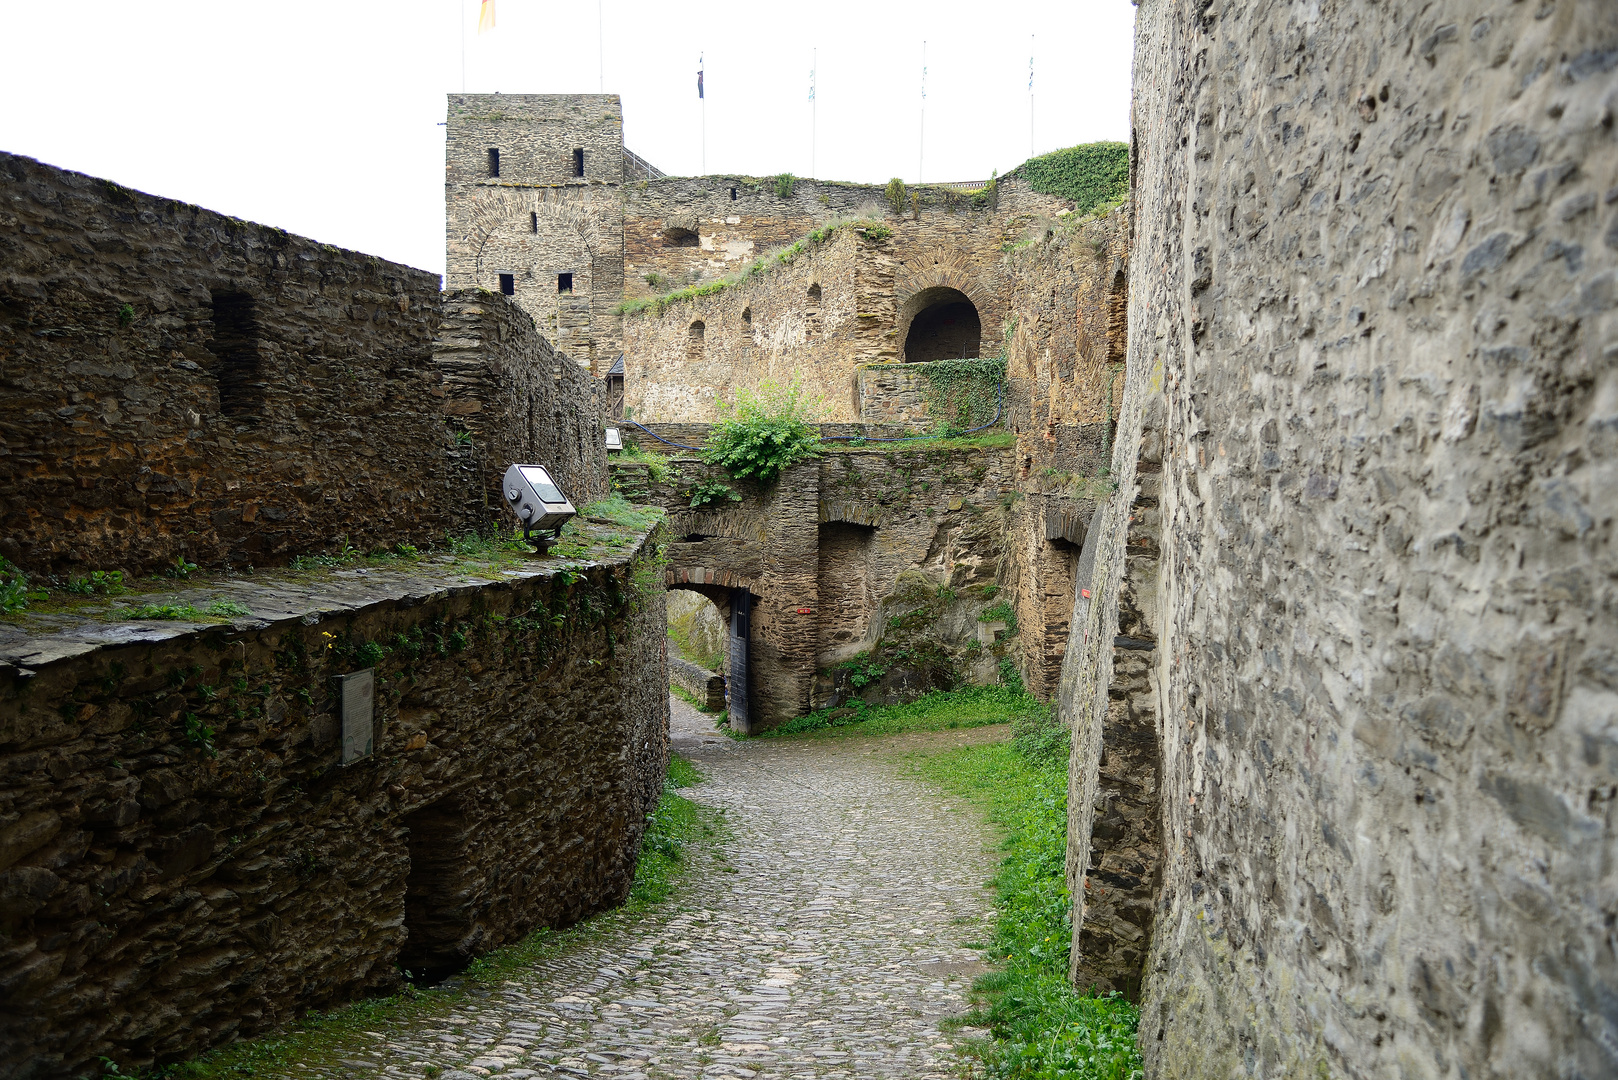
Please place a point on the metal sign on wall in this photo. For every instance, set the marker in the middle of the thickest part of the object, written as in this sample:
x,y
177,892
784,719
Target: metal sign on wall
x,y
356,700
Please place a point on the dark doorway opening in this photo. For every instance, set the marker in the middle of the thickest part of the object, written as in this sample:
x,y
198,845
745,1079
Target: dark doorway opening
x,y
948,329
441,929
494,162
508,284
564,283
578,163
236,345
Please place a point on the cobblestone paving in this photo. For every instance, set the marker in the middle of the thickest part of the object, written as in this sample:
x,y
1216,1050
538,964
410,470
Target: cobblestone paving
x,y
824,939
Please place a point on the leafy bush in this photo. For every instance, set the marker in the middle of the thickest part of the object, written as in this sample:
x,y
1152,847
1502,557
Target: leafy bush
x,y
765,431
710,492
1092,174
784,185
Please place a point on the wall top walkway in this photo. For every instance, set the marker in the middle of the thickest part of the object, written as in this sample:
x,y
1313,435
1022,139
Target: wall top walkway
x,y
33,639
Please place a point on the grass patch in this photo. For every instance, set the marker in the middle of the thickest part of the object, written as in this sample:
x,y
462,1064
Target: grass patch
x,y
1043,1029
941,710
323,1038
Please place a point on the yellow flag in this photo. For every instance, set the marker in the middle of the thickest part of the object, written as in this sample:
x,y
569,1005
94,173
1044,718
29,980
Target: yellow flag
x,y
486,16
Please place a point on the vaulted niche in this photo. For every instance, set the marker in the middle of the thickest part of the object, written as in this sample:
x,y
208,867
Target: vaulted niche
x,y
440,901
944,326
236,347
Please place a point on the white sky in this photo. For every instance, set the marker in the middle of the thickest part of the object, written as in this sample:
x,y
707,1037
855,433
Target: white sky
x,y
321,117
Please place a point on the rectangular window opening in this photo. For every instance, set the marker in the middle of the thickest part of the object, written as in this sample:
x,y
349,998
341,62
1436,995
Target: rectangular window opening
x,y
494,162
533,221
508,284
578,163
564,283
236,345
732,194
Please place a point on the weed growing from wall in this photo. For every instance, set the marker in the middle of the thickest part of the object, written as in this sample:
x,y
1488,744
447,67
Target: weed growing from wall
x,y
898,198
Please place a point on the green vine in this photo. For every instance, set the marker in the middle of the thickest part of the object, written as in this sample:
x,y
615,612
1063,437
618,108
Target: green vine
x,y
963,394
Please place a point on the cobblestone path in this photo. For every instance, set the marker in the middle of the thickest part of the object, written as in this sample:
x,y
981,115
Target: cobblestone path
x,y
825,939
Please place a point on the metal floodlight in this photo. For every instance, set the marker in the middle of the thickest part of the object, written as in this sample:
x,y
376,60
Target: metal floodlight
x,y
536,500
615,441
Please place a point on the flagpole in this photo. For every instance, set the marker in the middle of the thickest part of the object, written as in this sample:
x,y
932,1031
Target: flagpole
x,y
814,109
1030,95
921,149
601,52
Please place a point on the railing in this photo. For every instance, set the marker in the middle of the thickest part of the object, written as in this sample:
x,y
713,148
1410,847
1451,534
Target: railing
x,y
957,185
638,168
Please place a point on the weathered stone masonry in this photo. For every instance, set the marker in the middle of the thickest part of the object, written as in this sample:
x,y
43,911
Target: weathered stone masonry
x,y
1372,315
183,860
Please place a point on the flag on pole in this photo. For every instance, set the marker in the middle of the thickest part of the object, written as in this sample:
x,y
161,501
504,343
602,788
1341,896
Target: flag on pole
x,y
811,84
486,16
699,74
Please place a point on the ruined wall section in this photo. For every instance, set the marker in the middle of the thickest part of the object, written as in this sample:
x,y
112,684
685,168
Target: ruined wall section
x,y
516,399
1374,280
679,363
184,860
221,390
536,220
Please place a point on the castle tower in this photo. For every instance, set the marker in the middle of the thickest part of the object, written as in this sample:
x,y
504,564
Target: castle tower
x,y
533,202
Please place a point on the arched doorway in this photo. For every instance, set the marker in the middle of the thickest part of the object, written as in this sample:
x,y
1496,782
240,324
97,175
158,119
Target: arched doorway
x,y
944,325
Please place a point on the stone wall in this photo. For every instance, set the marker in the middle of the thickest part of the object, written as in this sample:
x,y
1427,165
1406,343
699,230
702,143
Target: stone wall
x,y
220,390
184,859
881,557
840,304
536,220
1372,313
517,399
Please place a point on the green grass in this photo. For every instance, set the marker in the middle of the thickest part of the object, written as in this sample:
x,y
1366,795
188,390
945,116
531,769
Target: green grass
x,y
1042,1028
968,707
321,1038
989,440
691,699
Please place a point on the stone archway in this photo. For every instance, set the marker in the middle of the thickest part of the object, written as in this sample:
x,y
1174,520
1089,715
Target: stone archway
x,y
944,325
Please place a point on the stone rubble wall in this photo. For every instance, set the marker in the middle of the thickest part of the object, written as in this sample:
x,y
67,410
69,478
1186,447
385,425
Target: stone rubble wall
x,y
183,860
519,400
111,420
1372,315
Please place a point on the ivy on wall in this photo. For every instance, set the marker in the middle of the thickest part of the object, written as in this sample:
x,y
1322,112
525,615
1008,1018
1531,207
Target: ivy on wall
x,y
963,394
1091,174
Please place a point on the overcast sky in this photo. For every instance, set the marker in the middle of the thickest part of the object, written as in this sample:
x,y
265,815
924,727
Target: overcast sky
x,y
323,117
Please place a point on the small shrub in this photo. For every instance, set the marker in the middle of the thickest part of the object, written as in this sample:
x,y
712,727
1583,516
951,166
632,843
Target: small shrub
x,y
784,185
181,570
654,279
898,198
126,315
877,232
225,609
765,431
